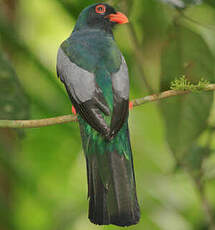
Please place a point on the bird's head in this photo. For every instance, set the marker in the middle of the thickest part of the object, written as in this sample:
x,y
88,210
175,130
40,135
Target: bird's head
x,y
100,16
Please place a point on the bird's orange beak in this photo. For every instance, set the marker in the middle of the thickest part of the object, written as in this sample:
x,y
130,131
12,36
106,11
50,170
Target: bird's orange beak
x,y
119,18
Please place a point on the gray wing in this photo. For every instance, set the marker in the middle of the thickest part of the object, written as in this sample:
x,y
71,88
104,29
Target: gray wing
x,y
80,82
120,82
84,93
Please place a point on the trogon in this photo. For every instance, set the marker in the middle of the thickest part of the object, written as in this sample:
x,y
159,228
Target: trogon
x,y
95,75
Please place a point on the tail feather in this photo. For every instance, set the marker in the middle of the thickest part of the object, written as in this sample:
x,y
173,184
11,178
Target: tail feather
x,y
111,180
115,201
97,208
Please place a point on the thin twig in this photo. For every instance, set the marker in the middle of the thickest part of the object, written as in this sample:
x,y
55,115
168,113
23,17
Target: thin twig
x,y
138,54
72,118
205,204
199,184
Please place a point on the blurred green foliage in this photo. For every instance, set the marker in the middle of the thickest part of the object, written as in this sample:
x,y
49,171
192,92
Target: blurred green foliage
x,y
13,101
173,143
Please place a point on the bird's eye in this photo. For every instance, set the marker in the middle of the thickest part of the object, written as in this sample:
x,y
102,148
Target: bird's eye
x,y
100,9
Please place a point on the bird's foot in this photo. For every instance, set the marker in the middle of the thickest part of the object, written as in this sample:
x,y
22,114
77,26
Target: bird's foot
x,y
74,110
131,105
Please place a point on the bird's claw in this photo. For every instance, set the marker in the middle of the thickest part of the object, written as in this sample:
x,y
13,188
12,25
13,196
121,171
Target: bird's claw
x,y
74,110
130,105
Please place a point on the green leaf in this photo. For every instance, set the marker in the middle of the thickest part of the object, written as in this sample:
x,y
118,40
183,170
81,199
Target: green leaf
x,y
210,2
186,116
11,39
195,157
149,15
13,101
74,7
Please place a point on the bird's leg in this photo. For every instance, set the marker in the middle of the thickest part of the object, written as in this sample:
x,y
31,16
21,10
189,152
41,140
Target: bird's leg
x,y
130,105
74,110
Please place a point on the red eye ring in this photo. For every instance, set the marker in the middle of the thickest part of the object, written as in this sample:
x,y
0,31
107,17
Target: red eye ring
x,y
100,9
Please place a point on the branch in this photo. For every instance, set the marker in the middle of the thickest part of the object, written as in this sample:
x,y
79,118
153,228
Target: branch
x,y
37,123
73,118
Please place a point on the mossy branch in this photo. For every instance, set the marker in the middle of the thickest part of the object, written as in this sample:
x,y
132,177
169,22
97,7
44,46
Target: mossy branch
x,y
183,84
177,85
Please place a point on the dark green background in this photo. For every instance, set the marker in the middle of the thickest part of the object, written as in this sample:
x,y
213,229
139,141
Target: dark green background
x,y
42,171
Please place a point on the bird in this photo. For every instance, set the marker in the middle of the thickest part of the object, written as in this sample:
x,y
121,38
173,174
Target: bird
x,y
95,75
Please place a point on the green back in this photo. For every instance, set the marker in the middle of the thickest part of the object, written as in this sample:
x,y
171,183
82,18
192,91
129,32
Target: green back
x,y
97,52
